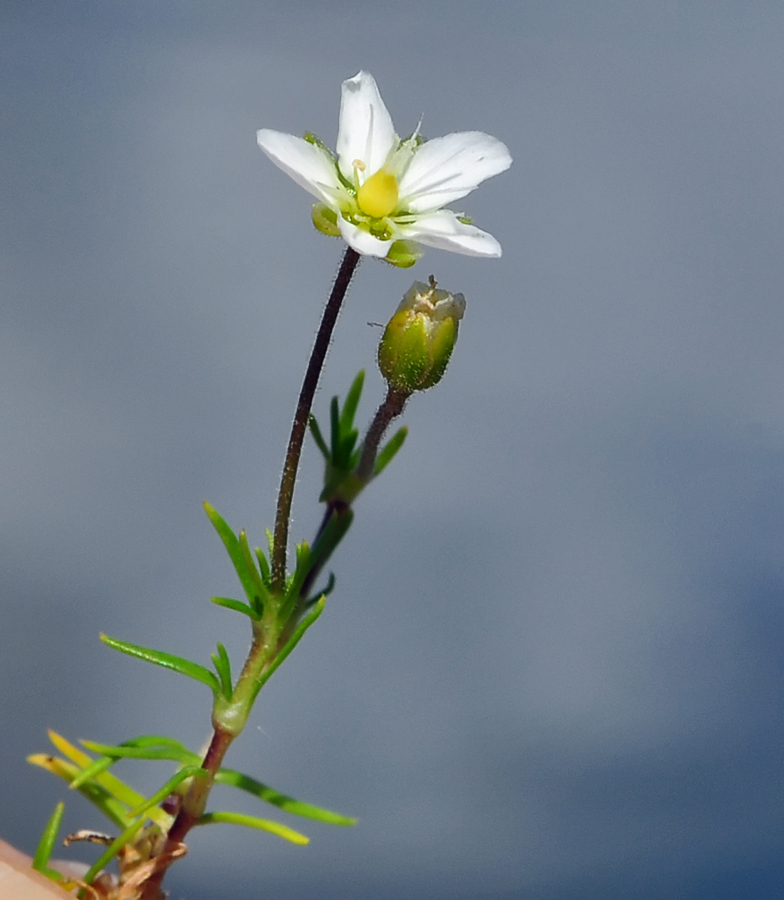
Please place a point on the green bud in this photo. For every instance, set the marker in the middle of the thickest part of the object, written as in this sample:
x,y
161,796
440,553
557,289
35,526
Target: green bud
x,y
418,341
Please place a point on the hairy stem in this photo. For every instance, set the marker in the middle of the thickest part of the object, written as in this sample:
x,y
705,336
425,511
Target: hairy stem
x,y
390,409
300,423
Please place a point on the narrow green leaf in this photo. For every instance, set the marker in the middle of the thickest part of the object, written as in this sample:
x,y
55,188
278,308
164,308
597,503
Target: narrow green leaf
x,y
292,642
113,849
237,606
167,660
45,846
327,589
250,562
264,567
345,451
252,822
113,785
96,768
153,750
159,740
223,668
232,545
352,401
221,526
299,575
331,535
389,450
334,427
98,795
287,804
318,437
163,792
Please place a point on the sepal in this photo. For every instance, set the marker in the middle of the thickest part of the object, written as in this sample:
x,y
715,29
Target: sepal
x,y
404,254
325,220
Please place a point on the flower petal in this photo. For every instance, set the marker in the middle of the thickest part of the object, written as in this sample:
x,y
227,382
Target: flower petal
x,y
311,167
365,131
442,229
447,168
362,241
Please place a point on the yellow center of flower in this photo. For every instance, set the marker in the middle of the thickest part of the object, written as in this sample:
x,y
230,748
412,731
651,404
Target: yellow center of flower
x,y
377,197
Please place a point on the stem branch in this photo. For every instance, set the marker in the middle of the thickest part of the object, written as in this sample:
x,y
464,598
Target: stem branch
x,y
390,409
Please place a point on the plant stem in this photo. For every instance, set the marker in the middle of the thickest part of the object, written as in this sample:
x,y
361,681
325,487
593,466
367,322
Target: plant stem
x,y
300,423
195,799
390,409
192,807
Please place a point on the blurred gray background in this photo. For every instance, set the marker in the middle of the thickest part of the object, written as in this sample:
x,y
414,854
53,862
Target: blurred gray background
x,y
553,665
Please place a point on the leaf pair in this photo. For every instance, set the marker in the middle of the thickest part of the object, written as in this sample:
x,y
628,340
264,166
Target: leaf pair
x,y
252,568
220,684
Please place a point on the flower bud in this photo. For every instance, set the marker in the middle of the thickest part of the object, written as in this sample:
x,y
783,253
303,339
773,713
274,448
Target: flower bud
x,y
419,338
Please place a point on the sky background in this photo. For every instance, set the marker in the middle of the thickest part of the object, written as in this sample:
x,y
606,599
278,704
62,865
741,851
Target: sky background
x,y
553,666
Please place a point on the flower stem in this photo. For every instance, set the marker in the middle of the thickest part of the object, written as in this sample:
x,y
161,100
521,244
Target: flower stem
x,y
300,423
262,651
390,409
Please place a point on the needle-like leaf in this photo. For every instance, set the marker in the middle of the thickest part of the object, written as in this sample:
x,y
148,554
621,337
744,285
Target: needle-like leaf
x,y
318,437
232,544
96,793
45,846
223,668
288,804
237,606
252,822
352,402
387,453
163,792
167,660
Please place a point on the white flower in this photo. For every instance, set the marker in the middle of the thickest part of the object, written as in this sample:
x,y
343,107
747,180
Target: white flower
x,y
381,193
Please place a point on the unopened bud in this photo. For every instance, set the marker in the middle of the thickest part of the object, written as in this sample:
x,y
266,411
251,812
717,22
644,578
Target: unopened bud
x,y
418,341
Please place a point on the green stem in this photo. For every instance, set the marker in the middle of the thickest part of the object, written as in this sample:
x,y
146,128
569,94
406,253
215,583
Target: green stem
x,y
299,426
